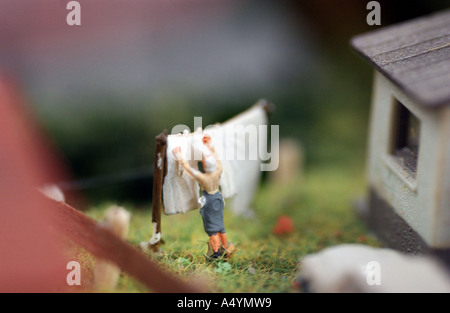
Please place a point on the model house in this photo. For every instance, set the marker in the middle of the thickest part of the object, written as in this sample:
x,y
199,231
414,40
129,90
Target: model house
x,y
409,139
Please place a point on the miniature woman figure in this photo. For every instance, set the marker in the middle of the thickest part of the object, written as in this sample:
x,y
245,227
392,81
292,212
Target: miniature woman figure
x,y
212,200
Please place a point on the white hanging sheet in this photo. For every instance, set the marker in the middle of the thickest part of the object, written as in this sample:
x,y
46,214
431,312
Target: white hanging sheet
x,y
240,176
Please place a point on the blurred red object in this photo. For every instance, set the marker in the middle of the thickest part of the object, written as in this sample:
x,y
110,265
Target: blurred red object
x,y
284,225
29,256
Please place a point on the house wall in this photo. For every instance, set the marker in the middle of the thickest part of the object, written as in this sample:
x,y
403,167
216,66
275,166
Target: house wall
x,y
442,233
415,199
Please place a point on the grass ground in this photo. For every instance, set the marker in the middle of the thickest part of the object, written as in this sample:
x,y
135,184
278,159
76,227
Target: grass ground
x,y
319,204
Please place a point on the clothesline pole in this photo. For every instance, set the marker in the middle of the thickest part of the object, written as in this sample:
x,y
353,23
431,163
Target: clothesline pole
x,y
159,169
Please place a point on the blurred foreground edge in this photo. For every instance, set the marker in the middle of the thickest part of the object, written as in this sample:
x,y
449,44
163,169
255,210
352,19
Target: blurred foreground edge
x,y
104,244
32,258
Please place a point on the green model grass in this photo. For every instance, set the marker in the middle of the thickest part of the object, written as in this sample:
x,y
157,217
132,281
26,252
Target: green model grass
x,y
320,205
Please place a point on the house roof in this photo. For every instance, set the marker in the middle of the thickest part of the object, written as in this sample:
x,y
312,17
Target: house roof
x,y
414,55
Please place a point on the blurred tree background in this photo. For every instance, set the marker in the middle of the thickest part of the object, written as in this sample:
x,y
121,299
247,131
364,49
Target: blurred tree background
x,y
157,65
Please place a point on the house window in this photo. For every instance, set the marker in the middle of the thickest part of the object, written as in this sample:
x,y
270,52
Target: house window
x,y
406,136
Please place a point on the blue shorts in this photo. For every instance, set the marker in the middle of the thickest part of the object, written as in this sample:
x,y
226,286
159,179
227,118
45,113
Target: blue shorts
x,y
212,213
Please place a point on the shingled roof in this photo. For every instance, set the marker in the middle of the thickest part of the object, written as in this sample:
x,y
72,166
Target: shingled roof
x,y
414,55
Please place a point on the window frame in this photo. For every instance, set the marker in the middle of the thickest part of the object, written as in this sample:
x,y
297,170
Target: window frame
x,y
396,139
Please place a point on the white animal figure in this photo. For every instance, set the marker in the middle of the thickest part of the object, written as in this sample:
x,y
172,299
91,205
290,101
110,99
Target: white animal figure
x,y
359,268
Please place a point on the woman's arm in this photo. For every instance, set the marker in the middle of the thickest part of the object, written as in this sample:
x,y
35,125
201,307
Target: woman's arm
x,y
192,172
216,155
208,143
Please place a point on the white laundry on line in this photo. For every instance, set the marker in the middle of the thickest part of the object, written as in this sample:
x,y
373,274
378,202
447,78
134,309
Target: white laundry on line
x,y
239,178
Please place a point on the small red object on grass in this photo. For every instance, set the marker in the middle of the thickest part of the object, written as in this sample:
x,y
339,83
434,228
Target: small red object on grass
x,y
284,225
362,239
